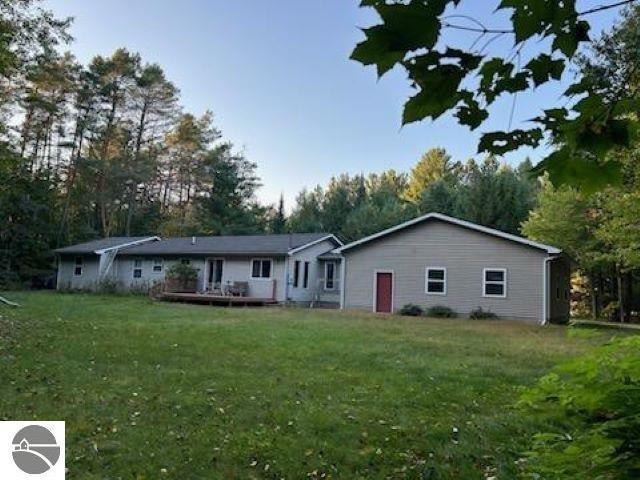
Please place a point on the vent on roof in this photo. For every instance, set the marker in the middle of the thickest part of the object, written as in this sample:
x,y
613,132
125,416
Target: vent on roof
x,y
193,240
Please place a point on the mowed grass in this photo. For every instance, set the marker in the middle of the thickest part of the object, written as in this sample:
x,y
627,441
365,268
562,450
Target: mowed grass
x,y
155,390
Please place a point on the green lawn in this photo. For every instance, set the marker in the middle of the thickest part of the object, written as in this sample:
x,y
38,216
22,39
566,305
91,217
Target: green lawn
x,y
152,390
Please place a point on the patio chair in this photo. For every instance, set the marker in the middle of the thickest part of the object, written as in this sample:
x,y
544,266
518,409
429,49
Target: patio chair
x,y
239,289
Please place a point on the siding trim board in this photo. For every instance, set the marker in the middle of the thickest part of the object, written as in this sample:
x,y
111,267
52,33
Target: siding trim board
x,y
343,282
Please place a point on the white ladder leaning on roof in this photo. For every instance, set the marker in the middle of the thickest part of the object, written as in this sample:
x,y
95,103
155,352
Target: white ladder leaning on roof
x,y
106,262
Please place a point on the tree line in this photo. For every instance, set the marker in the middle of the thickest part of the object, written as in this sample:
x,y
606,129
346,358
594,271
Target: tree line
x,y
489,193
104,149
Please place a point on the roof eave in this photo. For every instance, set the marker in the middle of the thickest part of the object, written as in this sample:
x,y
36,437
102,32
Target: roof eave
x,y
462,223
315,242
204,254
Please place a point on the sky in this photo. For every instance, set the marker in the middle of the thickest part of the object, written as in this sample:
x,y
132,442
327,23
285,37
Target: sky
x,y
277,76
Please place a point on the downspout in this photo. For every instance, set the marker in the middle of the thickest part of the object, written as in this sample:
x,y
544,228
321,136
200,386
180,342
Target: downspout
x,y
343,269
286,278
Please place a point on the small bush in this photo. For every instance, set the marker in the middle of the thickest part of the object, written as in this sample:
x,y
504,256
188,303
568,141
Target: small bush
x,y
108,285
590,408
480,314
440,311
412,310
182,272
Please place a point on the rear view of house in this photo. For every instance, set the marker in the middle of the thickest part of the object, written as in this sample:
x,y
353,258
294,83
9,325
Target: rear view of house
x,y
437,260
287,267
433,260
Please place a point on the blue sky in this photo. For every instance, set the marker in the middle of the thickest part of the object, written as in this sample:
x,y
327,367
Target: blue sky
x,y
278,78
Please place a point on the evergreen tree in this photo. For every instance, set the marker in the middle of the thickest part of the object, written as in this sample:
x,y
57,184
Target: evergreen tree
x,y
434,165
227,205
278,221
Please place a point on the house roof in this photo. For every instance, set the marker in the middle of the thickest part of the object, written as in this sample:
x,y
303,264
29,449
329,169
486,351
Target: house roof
x,y
280,244
102,244
455,221
331,255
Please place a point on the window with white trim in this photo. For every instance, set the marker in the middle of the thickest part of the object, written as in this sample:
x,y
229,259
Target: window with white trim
x,y
435,282
157,265
261,268
137,268
494,282
77,270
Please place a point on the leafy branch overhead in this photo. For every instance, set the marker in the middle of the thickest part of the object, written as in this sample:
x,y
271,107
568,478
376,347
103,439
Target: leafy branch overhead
x,y
466,81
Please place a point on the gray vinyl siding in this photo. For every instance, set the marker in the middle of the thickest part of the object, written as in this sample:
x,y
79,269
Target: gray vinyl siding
x,y
464,253
316,273
66,279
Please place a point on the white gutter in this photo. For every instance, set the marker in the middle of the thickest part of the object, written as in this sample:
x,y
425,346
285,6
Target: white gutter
x,y
343,269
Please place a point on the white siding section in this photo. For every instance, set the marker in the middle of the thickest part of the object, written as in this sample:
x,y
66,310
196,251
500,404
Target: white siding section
x,y
238,269
301,294
464,253
235,269
68,281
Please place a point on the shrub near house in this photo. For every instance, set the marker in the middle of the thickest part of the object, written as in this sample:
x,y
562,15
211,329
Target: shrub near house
x,y
181,277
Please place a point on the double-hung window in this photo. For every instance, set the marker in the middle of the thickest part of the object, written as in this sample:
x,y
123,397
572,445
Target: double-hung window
x,y
261,268
494,282
77,270
157,265
137,268
435,281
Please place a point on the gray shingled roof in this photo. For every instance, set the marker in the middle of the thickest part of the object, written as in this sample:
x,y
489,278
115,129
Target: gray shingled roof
x,y
330,255
93,245
226,245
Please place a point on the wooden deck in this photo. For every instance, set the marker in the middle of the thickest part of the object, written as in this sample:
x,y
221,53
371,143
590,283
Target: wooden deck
x,y
220,300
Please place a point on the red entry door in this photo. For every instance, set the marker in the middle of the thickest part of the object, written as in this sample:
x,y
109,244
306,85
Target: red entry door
x,y
384,292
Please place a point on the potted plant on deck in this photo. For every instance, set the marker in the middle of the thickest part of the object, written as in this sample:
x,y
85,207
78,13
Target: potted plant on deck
x,y
181,278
